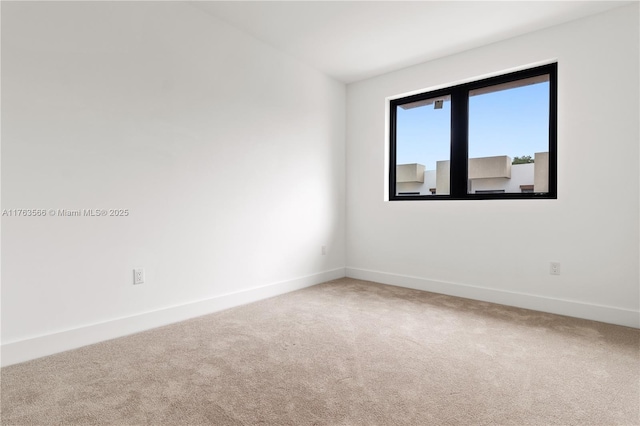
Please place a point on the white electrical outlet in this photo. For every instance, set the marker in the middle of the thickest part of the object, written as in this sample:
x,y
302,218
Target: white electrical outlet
x,y
138,275
324,250
554,268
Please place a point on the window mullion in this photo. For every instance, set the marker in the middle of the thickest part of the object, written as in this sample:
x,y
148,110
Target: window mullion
x,y
459,142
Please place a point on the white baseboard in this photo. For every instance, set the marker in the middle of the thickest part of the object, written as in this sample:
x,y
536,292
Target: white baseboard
x,y
608,314
24,350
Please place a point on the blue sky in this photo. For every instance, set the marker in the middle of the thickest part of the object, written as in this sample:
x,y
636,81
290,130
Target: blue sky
x,y
511,122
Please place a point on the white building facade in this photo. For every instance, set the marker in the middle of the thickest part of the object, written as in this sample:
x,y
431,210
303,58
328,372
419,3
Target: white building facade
x,y
494,174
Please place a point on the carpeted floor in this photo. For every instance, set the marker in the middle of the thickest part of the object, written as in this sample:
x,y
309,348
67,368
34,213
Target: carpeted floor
x,y
346,352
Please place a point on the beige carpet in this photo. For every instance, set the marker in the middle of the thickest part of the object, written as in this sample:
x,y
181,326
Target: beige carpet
x,y
346,352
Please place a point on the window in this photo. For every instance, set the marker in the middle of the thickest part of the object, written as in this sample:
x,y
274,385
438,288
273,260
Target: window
x,y
488,139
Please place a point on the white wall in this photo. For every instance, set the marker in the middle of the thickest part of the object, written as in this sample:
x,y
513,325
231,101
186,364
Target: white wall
x,y
228,154
499,250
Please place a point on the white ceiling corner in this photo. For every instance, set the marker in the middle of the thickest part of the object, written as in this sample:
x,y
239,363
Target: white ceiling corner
x,y
355,40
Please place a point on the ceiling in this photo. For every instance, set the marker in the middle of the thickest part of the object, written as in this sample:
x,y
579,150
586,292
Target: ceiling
x,y
355,40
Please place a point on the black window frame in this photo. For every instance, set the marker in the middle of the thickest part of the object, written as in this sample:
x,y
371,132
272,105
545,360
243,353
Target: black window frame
x,y
460,136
